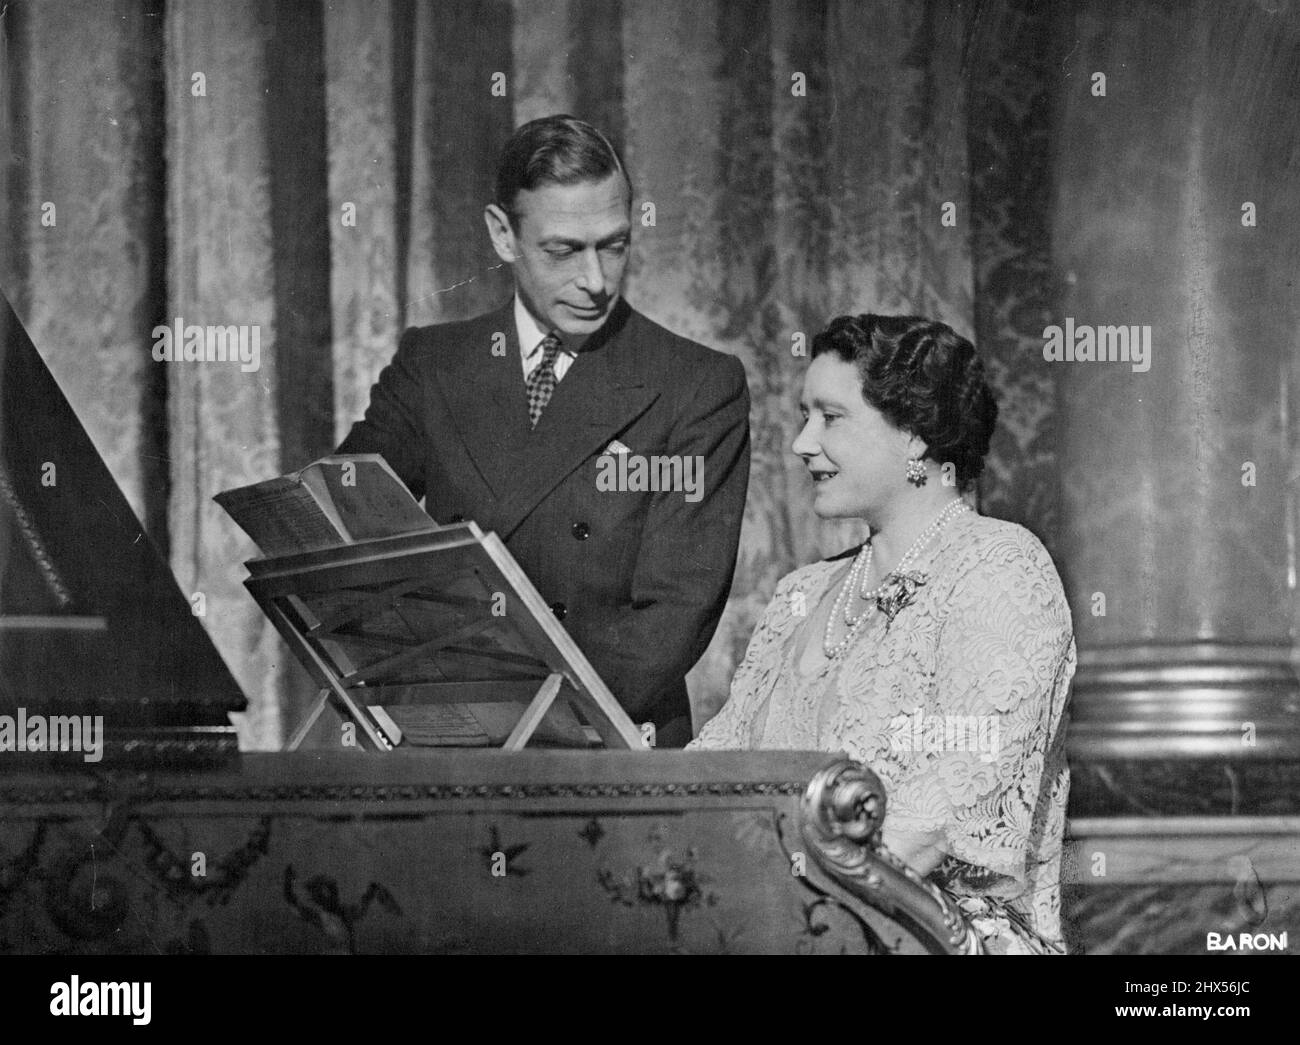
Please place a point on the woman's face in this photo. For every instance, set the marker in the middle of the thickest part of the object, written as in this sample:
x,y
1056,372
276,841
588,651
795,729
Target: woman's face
x,y
857,458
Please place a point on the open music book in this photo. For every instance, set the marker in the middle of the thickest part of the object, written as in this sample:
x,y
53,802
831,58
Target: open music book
x,y
334,501
421,634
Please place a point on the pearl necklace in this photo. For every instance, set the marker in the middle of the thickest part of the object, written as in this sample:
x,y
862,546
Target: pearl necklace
x,y
861,568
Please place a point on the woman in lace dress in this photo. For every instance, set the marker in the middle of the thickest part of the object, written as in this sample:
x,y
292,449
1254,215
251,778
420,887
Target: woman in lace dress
x,y
939,653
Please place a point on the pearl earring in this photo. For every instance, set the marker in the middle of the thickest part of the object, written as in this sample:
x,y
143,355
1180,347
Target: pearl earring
x,y
916,472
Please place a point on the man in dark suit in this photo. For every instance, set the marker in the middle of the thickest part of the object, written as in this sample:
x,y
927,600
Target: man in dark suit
x,y
559,419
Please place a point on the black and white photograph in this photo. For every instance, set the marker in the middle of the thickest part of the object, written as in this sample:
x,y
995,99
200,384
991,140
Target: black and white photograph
x,y
651,477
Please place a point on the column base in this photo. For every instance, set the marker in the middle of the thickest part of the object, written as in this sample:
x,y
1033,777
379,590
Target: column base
x,y
1185,701
1181,729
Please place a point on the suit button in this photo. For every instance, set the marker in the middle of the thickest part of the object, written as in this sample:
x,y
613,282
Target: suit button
x,y
560,610
581,531
456,519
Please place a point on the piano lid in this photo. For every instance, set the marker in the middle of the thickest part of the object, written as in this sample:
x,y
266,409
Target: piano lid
x,y
92,621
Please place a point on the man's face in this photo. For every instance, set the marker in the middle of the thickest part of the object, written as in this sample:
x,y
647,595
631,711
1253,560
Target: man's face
x,y
569,249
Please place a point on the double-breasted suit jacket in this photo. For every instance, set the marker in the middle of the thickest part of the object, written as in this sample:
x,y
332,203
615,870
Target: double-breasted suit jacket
x,y
639,577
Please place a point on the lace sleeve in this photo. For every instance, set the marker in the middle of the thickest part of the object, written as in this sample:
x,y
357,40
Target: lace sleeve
x,y
976,765
732,726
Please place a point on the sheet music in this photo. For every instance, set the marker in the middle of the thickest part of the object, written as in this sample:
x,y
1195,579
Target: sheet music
x,y
438,725
281,516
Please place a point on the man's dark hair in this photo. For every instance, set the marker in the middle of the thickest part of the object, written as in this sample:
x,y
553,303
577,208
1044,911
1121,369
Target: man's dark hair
x,y
557,150
925,378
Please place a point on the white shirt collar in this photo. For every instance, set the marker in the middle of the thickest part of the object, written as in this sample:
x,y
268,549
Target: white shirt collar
x,y
530,333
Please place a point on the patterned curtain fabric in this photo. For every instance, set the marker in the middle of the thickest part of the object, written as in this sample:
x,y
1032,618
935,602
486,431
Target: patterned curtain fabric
x,y
319,170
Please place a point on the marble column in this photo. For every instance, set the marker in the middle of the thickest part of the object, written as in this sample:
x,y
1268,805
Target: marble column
x,y
1177,199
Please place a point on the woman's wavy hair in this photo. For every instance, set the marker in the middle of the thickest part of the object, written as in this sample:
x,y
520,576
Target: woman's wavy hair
x,y
925,378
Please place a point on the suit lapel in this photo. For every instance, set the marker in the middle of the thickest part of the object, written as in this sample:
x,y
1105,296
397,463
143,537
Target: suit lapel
x,y
484,394
601,394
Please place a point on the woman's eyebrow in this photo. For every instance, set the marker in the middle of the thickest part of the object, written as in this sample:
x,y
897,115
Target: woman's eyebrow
x,y
821,403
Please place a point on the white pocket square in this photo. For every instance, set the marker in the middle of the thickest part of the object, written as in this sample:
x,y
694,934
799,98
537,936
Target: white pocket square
x,y
617,448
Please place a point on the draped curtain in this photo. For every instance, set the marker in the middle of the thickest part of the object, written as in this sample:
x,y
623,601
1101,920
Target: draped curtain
x,y
319,170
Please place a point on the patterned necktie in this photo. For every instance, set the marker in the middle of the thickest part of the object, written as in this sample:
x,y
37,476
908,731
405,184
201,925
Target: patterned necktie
x,y
541,382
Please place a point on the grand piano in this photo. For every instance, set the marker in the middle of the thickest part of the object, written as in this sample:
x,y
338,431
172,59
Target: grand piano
x,y
155,834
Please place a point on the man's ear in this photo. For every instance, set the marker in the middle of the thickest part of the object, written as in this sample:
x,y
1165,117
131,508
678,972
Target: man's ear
x,y
502,235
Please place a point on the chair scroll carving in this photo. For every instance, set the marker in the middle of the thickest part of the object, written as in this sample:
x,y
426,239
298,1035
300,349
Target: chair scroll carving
x,y
843,810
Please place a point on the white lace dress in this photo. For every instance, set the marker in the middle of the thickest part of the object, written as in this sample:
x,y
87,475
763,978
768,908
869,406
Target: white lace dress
x,y
957,705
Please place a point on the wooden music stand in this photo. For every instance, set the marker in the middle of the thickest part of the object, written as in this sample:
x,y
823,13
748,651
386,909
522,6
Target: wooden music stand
x,y
443,616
